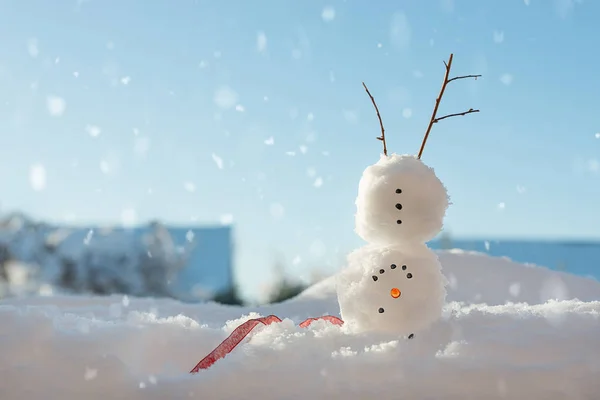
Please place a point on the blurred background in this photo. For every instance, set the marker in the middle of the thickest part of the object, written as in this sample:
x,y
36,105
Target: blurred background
x,y
211,150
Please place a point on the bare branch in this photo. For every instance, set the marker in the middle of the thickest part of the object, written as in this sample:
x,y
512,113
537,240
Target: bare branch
x,y
382,137
470,111
433,118
464,77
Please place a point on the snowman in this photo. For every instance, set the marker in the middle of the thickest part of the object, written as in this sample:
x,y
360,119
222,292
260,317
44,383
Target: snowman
x,y
394,284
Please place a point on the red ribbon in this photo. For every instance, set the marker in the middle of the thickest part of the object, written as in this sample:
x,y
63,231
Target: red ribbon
x,y
243,330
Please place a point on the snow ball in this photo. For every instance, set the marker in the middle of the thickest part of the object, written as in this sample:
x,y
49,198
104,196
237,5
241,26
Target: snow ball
x,y
318,182
400,199
125,80
261,42
93,130
501,206
225,97
391,289
37,177
56,105
597,135
303,149
270,141
328,14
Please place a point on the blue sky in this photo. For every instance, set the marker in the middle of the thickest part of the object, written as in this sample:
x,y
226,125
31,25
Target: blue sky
x,y
253,112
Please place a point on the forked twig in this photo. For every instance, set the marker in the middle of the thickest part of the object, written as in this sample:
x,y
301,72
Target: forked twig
x,y
434,119
382,137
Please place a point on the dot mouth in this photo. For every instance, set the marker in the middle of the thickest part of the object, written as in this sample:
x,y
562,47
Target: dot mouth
x,y
395,293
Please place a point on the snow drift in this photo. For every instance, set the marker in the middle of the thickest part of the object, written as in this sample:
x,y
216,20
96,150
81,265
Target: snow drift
x,y
509,331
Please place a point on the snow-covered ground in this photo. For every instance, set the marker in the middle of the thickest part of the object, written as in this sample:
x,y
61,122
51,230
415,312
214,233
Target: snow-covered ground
x,y
509,331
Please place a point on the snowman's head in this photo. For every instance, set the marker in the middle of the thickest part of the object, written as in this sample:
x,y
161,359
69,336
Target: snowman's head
x,y
400,199
391,290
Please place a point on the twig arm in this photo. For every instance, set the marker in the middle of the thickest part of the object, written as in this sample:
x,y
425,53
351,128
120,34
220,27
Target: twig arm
x,y
382,137
434,119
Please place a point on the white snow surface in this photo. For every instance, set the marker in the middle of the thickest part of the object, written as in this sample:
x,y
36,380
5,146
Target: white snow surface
x,y
396,289
400,199
509,331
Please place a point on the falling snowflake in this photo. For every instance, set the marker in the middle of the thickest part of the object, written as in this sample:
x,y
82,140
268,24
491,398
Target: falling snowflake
x,y
328,14
93,130
56,105
218,160
37,177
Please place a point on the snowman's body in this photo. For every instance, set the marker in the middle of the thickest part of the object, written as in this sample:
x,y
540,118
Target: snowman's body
x,y
395,284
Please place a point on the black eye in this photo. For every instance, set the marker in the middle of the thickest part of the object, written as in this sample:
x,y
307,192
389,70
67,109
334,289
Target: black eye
x,y
399,222
398,190
375,278
399,206
404,268
381,271
381,311
393,266
409,275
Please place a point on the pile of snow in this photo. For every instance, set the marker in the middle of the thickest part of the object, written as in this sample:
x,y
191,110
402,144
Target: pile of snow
x,y
509,331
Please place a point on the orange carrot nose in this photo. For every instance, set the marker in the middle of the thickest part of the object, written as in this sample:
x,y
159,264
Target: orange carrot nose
x,y
395,293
